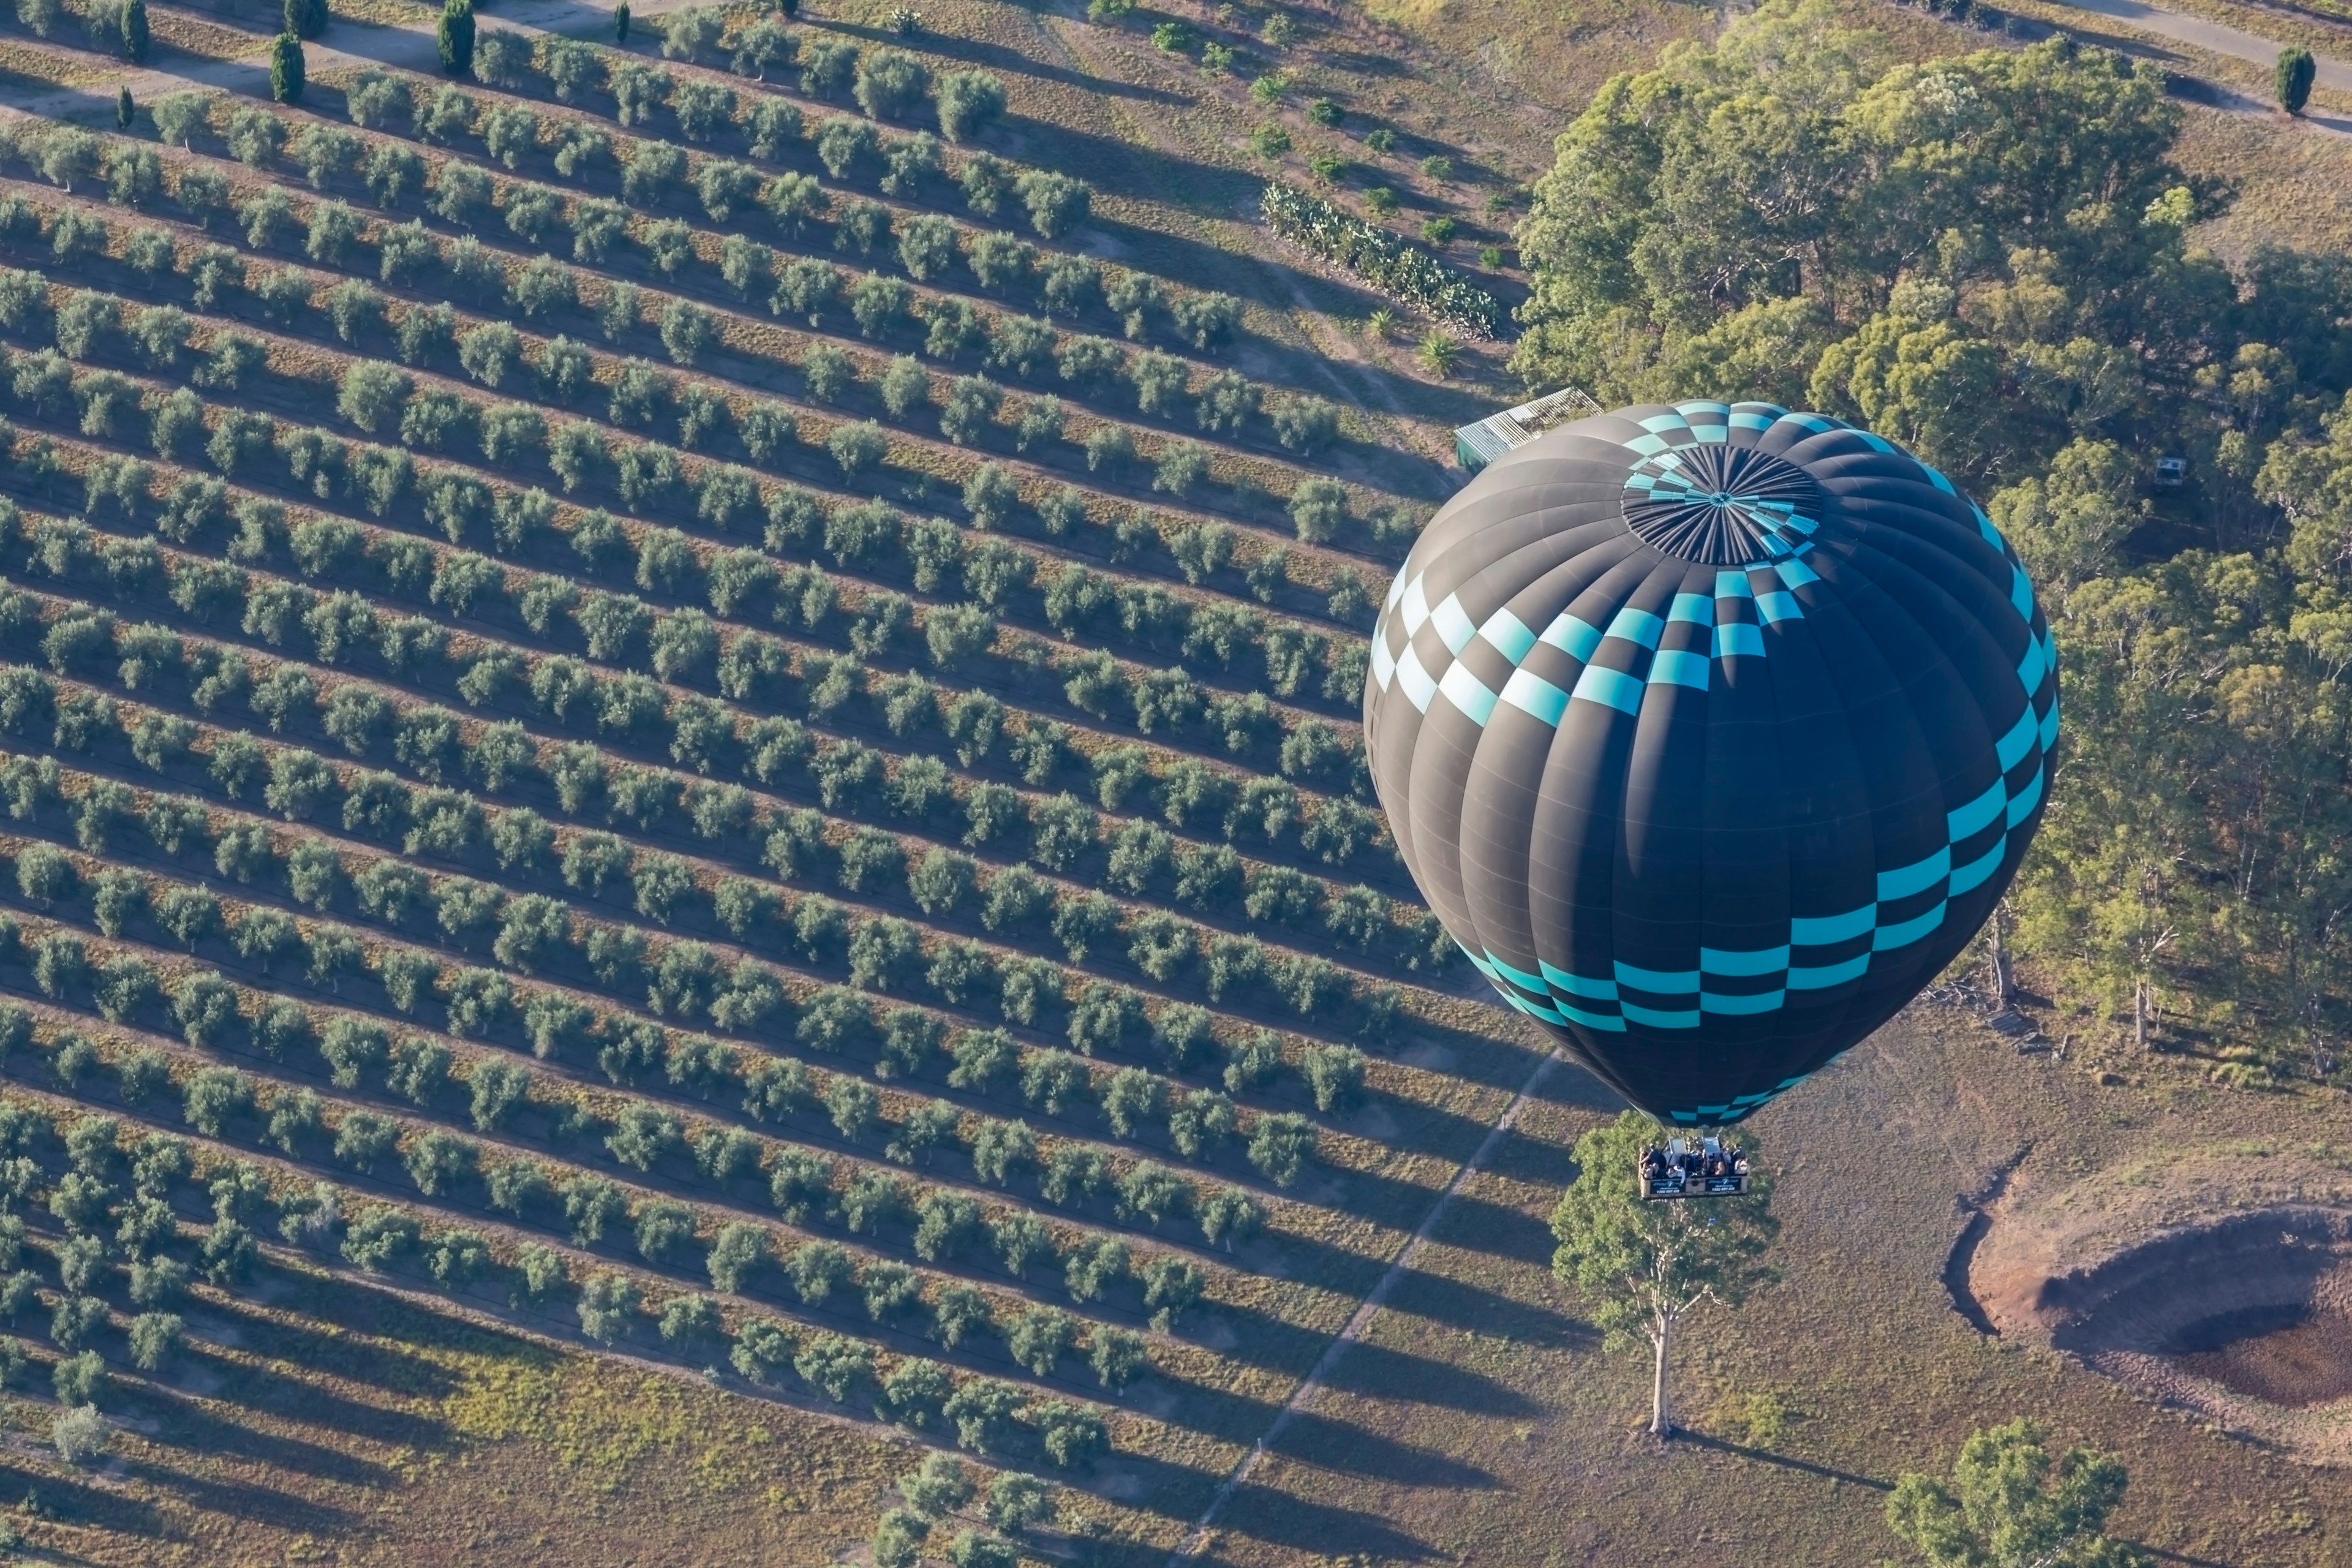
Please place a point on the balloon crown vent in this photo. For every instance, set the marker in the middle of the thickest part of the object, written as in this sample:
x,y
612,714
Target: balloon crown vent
x,y
1721,504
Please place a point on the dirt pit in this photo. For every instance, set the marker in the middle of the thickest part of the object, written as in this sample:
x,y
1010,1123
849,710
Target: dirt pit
x,y
2288,1356
2247,1318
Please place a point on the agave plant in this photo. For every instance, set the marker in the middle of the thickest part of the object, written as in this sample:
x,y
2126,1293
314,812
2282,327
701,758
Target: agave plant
x,y
1393,265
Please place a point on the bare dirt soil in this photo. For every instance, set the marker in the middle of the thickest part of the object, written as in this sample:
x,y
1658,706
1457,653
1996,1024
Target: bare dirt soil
x,y
2221,1285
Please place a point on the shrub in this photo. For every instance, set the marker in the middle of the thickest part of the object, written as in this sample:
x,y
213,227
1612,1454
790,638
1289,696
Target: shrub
x,y
691,1322
938,1488
377,1237
1335,1074
1058,203
889,83
1094,1268
1280,1145
916,1393
739,1252
1382,260
1118,1357
608,1305
2293,73
764,1349
858,448
1318,508
835,1365
971,409
456,1258
970,101
1018,1503
79,1432
1303,424
1072,1437
1039,1337
286,70
983,1411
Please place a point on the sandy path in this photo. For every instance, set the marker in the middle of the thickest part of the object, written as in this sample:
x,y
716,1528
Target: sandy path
x,y
2214,37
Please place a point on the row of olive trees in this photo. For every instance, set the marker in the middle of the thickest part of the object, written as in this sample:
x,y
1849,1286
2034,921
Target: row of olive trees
x,y
652,171
971,410
1058,832
373,723
114,1199
871,539
991,586
381,400
565,1192
685,981
753,667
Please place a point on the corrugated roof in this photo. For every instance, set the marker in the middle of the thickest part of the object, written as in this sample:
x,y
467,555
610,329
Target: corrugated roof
x,y
1475,446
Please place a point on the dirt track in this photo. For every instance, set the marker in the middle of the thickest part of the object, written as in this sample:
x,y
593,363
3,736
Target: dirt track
x,y
2211,37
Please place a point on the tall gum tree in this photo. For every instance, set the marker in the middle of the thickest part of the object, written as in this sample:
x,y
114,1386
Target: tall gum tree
x,y
1644,1267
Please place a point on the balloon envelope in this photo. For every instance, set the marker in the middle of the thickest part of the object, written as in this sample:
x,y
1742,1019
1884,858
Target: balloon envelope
x,y
1711,732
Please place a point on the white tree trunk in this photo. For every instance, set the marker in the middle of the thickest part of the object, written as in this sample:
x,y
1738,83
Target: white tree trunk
x,y
1662,1421
2140,1015
2004,983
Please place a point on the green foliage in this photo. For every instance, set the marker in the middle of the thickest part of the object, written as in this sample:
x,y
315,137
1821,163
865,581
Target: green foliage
x,y
1653,190
1379,258
608,1307
287,68
454,36
1641,1265
2290,78
970,101
2010,1501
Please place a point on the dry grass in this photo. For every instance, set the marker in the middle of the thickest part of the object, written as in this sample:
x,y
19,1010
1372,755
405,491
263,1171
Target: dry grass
x,y
319,1421
1487,1427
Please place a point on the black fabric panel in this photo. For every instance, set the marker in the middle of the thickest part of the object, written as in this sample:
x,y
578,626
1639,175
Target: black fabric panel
x,y
1848,707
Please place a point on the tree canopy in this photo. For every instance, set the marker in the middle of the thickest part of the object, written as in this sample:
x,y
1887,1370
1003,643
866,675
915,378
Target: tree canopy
x,y
1995,259
1642,1266
1983,258
2009,1504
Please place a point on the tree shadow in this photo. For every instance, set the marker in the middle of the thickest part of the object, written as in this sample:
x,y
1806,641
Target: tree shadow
x,y
1383,1373
1330,1444
342,1353
1358,62
1284,1518
1480,1224
1458,1304
244,1500
1522,1157
1577,1088
2164,1554
193,1424
1780,1461
1267,1514
1114,165
998,56
357,1305
72,1500
1490,1061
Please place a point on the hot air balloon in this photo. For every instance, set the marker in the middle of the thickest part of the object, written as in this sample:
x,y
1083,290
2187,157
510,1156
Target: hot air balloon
x,y
1712,734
